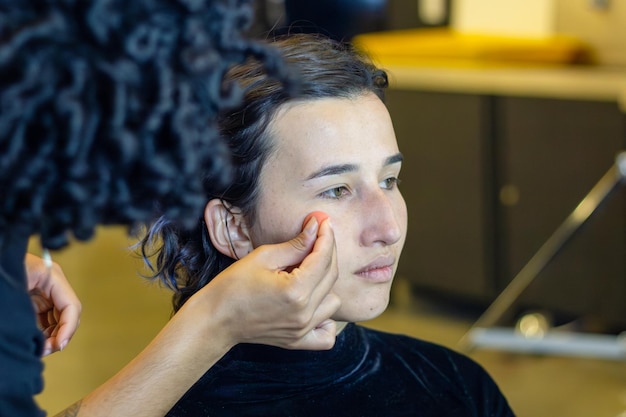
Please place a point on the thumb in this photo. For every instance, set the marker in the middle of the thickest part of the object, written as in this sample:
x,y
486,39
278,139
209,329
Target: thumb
x,y
290,254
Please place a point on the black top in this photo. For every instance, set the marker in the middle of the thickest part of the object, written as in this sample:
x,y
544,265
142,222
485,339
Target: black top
x,y
21,342
367,373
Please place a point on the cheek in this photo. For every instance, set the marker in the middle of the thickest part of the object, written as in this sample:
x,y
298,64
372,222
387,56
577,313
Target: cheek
x,y
275,224
277,214
268,231
403,217
346,229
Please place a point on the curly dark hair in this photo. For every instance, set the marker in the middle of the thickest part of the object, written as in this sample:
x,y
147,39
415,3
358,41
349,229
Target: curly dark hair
x,y
108,107
186,260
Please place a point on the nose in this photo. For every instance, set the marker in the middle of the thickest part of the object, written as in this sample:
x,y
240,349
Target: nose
x,y
384,218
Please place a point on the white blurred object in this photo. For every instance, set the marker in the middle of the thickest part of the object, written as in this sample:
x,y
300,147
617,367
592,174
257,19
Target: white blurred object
x,y
533,325
432,12
523,18
599,346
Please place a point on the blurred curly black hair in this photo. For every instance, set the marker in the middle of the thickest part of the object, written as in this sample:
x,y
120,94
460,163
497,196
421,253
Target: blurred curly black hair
x,y
107,109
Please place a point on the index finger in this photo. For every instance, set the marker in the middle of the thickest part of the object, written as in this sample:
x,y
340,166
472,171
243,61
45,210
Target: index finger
x,y
319,268
67,304
67,325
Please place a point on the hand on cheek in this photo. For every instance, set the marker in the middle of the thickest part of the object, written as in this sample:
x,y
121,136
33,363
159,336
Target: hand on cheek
x,y
320,216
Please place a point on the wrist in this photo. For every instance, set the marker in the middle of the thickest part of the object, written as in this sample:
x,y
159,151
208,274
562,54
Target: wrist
x,y
204,314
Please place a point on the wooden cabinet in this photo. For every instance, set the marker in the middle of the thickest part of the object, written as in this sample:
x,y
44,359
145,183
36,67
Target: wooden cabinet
x,y
445,182
550,153
488,178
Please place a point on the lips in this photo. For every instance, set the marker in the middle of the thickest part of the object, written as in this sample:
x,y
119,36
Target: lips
x,y
380,270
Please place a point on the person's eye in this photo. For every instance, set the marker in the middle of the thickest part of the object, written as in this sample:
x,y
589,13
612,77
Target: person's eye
x,y
335,193
390,183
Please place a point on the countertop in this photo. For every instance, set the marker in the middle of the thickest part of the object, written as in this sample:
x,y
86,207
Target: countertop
x,y
563,82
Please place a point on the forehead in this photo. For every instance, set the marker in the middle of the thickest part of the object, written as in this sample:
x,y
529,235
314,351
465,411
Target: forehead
x,y
308,134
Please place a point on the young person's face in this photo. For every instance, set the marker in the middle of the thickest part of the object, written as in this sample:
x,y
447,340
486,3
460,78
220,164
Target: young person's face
x,y
339,156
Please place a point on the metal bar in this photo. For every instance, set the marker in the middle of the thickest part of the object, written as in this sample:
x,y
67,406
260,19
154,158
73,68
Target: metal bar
x,y
549,249
554,342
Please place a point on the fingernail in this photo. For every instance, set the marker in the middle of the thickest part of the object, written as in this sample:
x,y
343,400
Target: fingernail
x,y
63,344
310,226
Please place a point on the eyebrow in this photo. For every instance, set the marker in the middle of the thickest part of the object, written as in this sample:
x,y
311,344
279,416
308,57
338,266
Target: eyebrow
x,y
344,168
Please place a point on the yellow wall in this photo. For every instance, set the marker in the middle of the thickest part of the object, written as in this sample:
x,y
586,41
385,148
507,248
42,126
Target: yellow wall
x,y
122,312
605,30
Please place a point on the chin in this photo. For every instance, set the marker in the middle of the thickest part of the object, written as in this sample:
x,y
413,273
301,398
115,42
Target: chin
x,y
362,312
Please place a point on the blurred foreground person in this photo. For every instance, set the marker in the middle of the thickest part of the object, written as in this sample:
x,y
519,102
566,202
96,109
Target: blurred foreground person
x,y
107,116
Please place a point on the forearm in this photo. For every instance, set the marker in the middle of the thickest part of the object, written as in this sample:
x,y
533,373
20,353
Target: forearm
x,y
154,381
251,301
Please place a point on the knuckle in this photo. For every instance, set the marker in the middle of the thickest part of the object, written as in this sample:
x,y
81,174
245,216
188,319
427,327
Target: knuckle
x,y
301,322
298,243
327,343
296,298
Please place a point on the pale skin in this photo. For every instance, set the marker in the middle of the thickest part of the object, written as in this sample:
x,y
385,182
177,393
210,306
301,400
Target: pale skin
x,y
296,307
338,156
56,304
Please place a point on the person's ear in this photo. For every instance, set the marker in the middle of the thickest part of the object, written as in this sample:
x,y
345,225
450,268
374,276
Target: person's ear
x,y
227,229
